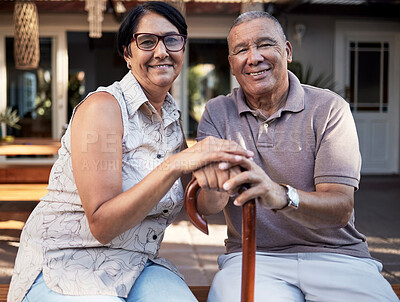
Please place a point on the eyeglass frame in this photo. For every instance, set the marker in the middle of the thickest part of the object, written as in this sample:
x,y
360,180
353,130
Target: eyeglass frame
x,y
158,41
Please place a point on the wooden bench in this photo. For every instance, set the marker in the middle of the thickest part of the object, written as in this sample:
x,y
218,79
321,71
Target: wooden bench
x,y
201,292
22,192
30,146
24,173
31,172
18,200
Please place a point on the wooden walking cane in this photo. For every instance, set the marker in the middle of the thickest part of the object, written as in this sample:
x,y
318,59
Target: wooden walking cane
x,y
248,235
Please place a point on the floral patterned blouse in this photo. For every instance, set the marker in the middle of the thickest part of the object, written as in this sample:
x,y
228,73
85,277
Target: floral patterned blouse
x,y
56,238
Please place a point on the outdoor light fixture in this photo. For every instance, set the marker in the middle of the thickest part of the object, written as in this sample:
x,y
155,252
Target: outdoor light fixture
x,y
250,5
299,32
179,5
26,35
95,10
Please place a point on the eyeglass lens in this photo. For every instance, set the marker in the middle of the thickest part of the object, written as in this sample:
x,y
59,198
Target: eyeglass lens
x,y
149,41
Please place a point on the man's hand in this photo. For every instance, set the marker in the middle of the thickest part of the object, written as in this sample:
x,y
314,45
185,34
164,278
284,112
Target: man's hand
x,y
260,186
212,197
212,178
330,206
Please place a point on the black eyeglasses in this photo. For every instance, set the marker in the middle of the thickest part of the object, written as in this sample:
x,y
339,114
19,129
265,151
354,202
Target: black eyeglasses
x,y
147,42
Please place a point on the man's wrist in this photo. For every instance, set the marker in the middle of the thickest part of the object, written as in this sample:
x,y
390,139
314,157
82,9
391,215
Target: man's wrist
x,y
292,197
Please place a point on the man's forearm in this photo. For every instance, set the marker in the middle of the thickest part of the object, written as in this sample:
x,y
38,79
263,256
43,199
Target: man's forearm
x,y
330,207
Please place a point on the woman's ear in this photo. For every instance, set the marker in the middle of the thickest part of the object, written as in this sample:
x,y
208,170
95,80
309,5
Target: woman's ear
x,y
127,58
127,54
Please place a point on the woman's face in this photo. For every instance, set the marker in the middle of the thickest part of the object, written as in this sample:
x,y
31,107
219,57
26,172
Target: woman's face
x,y
158,68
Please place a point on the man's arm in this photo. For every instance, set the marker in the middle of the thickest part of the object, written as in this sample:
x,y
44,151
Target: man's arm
x,y
330,206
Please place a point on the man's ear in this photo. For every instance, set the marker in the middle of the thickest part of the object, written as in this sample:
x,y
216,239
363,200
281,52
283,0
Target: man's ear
x,y
288,50
230,64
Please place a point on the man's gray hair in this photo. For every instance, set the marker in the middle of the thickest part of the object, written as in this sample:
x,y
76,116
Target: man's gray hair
x,y
252,15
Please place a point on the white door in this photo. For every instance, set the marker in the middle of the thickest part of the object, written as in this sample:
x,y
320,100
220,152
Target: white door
x,y
368,71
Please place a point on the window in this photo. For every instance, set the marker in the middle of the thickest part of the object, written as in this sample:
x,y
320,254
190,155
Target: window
x,y
369,71
29,92
208,76
92,63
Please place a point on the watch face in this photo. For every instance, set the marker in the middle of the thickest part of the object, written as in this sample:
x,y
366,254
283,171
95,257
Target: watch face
x,y
293,197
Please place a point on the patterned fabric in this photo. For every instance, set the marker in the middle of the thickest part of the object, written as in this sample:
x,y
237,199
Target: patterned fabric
x,y
56,238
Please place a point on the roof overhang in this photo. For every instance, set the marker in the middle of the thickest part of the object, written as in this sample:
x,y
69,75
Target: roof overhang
x,y
378,8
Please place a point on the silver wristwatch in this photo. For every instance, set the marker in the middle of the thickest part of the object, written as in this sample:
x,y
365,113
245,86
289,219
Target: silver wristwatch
x,y
292,197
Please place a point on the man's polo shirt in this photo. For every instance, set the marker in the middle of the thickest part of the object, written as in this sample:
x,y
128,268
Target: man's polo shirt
x,y
311,140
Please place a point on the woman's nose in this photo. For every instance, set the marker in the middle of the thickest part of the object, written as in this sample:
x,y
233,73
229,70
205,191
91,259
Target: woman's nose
x,y
160,50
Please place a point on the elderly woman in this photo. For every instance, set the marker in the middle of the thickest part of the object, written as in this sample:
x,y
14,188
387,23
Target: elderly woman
x,y
116,184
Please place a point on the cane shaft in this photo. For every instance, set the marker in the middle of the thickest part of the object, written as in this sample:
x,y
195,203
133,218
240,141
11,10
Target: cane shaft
x,y
249,251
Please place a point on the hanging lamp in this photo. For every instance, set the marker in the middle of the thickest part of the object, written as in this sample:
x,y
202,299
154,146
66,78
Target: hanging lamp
x,y
179,5
26,35
95,10
251,5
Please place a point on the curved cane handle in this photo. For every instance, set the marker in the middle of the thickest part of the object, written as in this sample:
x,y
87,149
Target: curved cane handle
x,y
191,206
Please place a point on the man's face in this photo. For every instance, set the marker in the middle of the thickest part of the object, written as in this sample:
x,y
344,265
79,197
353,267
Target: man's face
x,y
258,57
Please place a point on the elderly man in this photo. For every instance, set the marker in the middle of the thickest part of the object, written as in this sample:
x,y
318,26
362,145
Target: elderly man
x,y
303,175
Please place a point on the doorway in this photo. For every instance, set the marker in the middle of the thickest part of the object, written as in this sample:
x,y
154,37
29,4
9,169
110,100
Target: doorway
x,y
367,65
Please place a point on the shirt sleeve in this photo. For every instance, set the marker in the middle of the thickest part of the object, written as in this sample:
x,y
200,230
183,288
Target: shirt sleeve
x,y
338,158
208,126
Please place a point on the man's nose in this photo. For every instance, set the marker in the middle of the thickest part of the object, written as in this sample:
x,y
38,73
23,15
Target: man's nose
x,y
254,56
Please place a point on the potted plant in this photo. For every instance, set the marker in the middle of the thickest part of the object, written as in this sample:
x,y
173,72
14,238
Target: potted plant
x,y
8,118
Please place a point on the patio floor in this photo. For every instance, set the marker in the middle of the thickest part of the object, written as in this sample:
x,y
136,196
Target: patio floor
x,y
377,210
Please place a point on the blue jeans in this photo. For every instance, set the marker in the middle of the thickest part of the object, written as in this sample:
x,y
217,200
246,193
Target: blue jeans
x,y
155,283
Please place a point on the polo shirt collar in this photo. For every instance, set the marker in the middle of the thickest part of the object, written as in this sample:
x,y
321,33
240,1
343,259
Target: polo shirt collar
x,y
295,99
294,102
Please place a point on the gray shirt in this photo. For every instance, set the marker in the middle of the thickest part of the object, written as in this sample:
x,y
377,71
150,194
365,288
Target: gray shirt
x,y
311,140
56,238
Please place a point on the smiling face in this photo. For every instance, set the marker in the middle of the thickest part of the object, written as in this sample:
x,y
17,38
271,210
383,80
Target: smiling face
x,y
155,70
258,56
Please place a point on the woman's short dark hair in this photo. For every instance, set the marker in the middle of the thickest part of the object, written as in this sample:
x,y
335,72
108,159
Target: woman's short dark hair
x,y
129,25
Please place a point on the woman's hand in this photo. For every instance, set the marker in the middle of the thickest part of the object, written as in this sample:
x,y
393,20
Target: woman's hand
x,y
209,150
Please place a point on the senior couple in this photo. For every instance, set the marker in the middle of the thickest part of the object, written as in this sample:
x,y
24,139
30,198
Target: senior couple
x,y
95,236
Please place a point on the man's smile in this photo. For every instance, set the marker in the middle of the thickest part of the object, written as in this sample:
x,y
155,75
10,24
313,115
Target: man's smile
x,y
256,73
161,66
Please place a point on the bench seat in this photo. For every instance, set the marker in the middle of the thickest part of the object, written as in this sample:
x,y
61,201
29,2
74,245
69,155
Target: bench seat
x,y
200,292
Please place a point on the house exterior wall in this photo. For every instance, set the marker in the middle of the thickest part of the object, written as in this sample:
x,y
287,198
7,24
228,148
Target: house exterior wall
x,y
317,48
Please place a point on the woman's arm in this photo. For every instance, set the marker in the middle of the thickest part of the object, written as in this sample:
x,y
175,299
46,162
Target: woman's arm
x,y
96,146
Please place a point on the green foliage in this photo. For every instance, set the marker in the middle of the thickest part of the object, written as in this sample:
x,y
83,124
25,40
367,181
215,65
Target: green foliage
x,y
306,76
10,117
